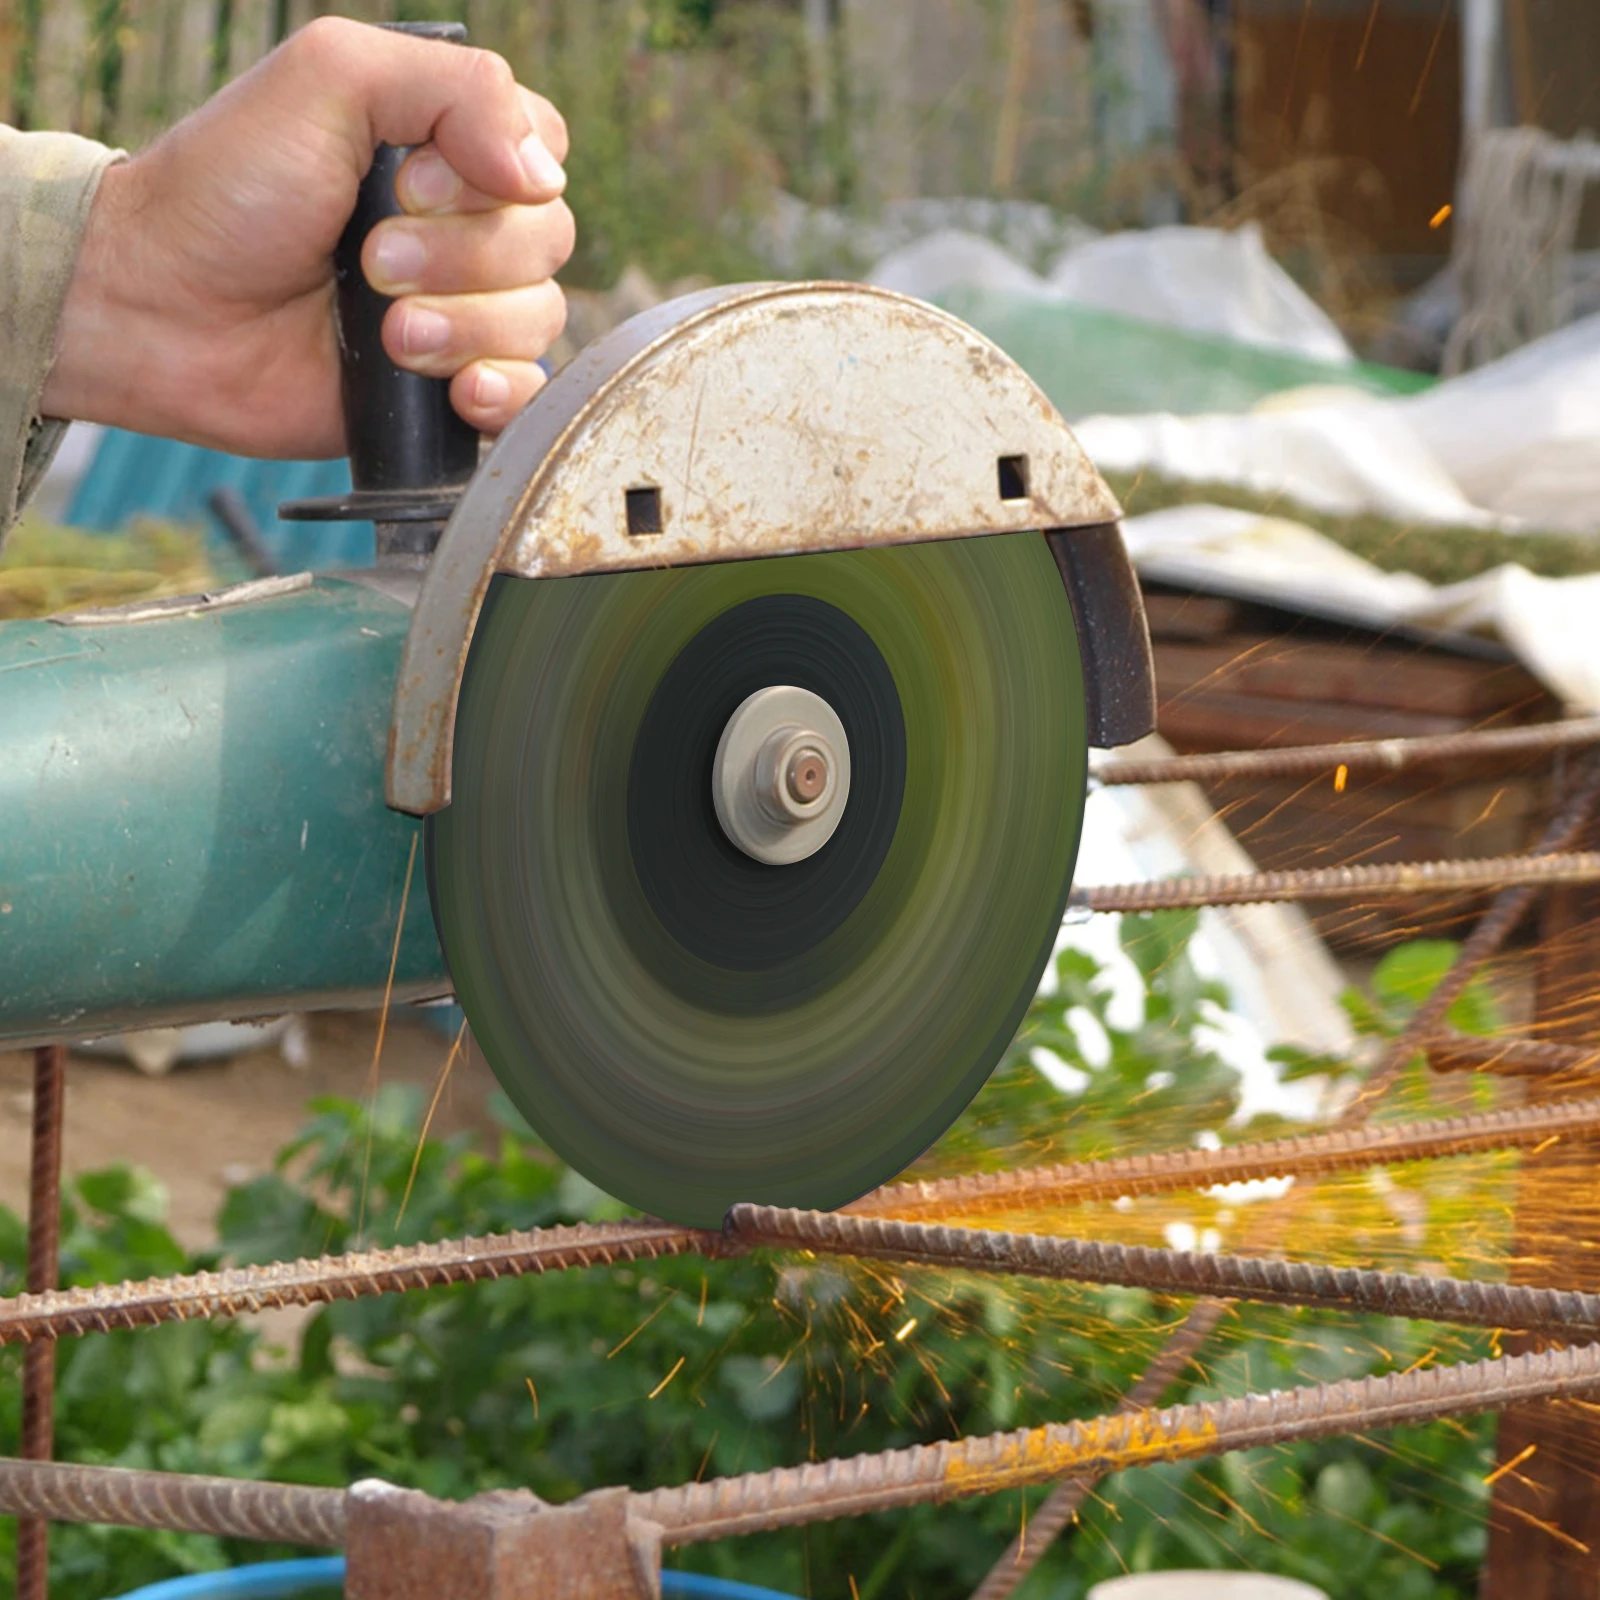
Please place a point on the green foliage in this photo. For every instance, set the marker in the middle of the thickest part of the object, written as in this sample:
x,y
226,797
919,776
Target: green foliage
x,y
1400,983
663,1372
686,115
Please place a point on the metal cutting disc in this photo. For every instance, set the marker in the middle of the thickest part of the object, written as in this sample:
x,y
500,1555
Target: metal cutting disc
x,y
689,1026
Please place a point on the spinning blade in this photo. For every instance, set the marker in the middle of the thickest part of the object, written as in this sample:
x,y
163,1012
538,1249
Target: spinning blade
x,y
689,1026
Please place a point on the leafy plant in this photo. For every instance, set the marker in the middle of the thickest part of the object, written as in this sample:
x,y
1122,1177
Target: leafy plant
x,y
665,1372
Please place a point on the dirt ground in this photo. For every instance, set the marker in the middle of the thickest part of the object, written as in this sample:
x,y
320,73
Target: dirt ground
x,y
210,1124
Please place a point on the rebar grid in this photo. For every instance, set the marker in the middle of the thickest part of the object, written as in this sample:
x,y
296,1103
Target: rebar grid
x,y
1081,1451
1356,755
1509,906
1465,1302
1399,879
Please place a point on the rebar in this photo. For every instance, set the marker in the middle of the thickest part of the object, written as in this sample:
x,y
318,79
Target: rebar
x,y
1401,878
1164,1171
44,1260
230,1508
725,1507
1509,1058
1364,755
104,1308
1563,1313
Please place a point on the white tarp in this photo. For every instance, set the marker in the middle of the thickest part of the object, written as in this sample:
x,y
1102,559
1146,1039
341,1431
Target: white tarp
x,y
1516,443
1282,984
1202,280
1335,451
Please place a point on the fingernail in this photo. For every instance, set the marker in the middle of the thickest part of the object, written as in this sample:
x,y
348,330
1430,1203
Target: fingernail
x,y
431,183
424,332
491,388
542,168
398,258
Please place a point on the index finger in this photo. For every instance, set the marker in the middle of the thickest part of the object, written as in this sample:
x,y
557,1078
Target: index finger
x,y
394,88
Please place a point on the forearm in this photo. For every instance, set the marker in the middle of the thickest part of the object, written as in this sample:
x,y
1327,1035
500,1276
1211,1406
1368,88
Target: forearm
x,y
47,186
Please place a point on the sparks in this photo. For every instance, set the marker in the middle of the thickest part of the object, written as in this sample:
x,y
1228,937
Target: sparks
x,y
1441,216
902,1334
1511,1465
1340,778
535,1395
677,1367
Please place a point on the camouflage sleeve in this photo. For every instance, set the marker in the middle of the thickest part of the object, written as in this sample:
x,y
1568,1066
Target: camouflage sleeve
x,y
47,184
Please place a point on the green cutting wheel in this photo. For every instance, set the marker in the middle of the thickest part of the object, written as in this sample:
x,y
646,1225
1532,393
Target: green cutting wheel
x,y
752,869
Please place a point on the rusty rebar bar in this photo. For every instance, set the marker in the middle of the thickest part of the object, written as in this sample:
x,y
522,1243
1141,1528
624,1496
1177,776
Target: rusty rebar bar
x,y
1509,1058
44,1266
1465,1302
230,1508
1397,879
1364,755
725,1507
104,1308
1165,1171
1564,829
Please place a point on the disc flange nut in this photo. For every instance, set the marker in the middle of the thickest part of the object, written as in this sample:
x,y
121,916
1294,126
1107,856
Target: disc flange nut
x,y
781,778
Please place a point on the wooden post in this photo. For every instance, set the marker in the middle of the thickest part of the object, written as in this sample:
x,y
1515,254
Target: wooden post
x,y
1544,1538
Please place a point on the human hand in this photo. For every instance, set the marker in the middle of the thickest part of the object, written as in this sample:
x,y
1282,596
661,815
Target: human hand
x,y
201,306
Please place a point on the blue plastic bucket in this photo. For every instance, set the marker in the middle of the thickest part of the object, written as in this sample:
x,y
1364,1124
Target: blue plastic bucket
x,y
285,1580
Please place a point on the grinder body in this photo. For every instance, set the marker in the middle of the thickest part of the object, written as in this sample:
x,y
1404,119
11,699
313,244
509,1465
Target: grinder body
x,y
541,668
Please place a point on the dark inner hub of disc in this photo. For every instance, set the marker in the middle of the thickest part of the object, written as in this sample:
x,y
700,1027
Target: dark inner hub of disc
x,y
715,901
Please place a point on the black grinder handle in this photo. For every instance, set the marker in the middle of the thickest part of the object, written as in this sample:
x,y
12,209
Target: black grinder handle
x,y
403,432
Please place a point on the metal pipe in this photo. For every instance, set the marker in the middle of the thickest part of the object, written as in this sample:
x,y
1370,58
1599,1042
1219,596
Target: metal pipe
x,y
44,1265
217,764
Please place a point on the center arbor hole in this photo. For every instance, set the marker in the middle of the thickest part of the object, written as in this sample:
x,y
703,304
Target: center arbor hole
x,y
644,512
1013,474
